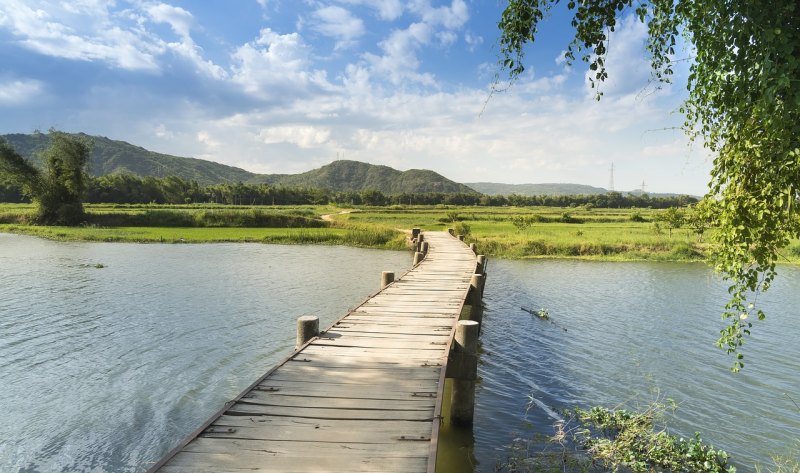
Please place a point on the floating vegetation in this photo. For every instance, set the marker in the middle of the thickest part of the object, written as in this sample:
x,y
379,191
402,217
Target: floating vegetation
x,y
542,314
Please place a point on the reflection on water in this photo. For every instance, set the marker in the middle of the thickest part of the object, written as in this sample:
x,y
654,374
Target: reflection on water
x,y
105,369
635,332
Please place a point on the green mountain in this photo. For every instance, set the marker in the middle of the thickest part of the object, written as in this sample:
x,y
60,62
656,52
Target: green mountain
x,y
493,188
346,175
118,157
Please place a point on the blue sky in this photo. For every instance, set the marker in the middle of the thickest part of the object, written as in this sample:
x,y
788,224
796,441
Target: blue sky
x,y
280,86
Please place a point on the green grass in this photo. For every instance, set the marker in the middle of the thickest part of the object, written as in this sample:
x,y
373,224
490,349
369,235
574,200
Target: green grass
x,y
598,234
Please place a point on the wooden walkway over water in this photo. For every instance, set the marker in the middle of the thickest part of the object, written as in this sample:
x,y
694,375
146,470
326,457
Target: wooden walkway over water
x,y
363,396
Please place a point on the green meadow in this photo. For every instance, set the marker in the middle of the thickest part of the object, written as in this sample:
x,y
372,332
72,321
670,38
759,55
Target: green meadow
x,y
507,232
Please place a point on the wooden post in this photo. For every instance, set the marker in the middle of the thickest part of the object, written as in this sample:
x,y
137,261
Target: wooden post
x,y
451,231
474,298
461,237
307,328
387,277
474,248
418,258
481,268
424,248
462,406
415,232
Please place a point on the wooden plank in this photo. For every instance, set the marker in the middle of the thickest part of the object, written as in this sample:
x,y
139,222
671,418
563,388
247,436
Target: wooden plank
x,y
353,391
322,413
303,462
305,370
331,402
382,342
394,449
329,427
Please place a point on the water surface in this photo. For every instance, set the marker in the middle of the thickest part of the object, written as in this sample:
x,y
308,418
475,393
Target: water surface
x,y
106,369
636,332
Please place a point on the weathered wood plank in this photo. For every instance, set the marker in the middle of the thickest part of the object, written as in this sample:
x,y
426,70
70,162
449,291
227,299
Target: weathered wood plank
x,y
301,463
323,413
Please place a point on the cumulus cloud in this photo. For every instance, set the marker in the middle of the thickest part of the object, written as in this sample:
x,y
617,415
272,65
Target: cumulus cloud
x,y
399,61
83,31
18,92
338,23
451,17
276,67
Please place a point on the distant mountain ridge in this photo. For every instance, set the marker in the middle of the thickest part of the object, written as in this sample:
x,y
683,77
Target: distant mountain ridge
x,y
119,157
493,188
553,189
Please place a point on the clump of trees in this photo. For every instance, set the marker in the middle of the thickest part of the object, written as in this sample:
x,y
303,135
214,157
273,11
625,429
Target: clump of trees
x,y
130,189
59,187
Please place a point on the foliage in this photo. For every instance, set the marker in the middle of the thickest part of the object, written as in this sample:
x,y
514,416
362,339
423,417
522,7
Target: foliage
x,y
673,218
462,228
601,440
743,103
700,216
621,438
58,189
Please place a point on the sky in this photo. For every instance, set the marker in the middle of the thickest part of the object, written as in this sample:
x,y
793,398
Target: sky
x,y
285,86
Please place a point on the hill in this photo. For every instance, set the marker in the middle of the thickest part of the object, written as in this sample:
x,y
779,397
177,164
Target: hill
x,y
119,157
493,188
347,175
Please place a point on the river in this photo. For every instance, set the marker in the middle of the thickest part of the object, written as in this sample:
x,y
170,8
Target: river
x,y
110,353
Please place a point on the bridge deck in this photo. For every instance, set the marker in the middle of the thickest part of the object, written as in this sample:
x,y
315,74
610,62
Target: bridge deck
x,y
364,396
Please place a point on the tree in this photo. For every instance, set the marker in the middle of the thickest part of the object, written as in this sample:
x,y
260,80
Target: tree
x,y
57,190
743,103
673,217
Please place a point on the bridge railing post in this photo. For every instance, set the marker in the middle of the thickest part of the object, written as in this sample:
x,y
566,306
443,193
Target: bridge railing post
x,y
307,328
480,268
387,277
464,373
418,257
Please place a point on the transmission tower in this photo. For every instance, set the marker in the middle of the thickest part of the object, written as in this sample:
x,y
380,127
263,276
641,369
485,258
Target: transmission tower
x,y
643,186
611,178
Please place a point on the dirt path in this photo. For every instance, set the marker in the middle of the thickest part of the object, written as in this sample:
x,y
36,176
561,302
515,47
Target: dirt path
x,y
329,217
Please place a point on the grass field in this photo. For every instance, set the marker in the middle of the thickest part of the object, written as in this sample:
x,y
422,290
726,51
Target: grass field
x,y
547,232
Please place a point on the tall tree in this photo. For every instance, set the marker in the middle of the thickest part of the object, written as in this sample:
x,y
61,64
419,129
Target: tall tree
x,y
743,103
58,189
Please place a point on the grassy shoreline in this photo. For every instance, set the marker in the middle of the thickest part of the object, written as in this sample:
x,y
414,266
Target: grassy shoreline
x,y
548,232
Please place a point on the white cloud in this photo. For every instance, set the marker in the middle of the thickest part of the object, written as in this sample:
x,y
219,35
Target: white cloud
x,y
304,136
446,38
17,92
177,18
388,10
272,64
452,17
399,62
338,23
83,31
472,40
626,62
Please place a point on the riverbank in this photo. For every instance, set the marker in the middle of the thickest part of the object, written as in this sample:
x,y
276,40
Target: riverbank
x,y
500,232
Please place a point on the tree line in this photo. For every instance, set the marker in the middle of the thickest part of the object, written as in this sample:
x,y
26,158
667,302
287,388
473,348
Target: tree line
x,y
130,189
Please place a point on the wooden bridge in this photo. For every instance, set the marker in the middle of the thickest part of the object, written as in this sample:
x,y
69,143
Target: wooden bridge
x,y
365,395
